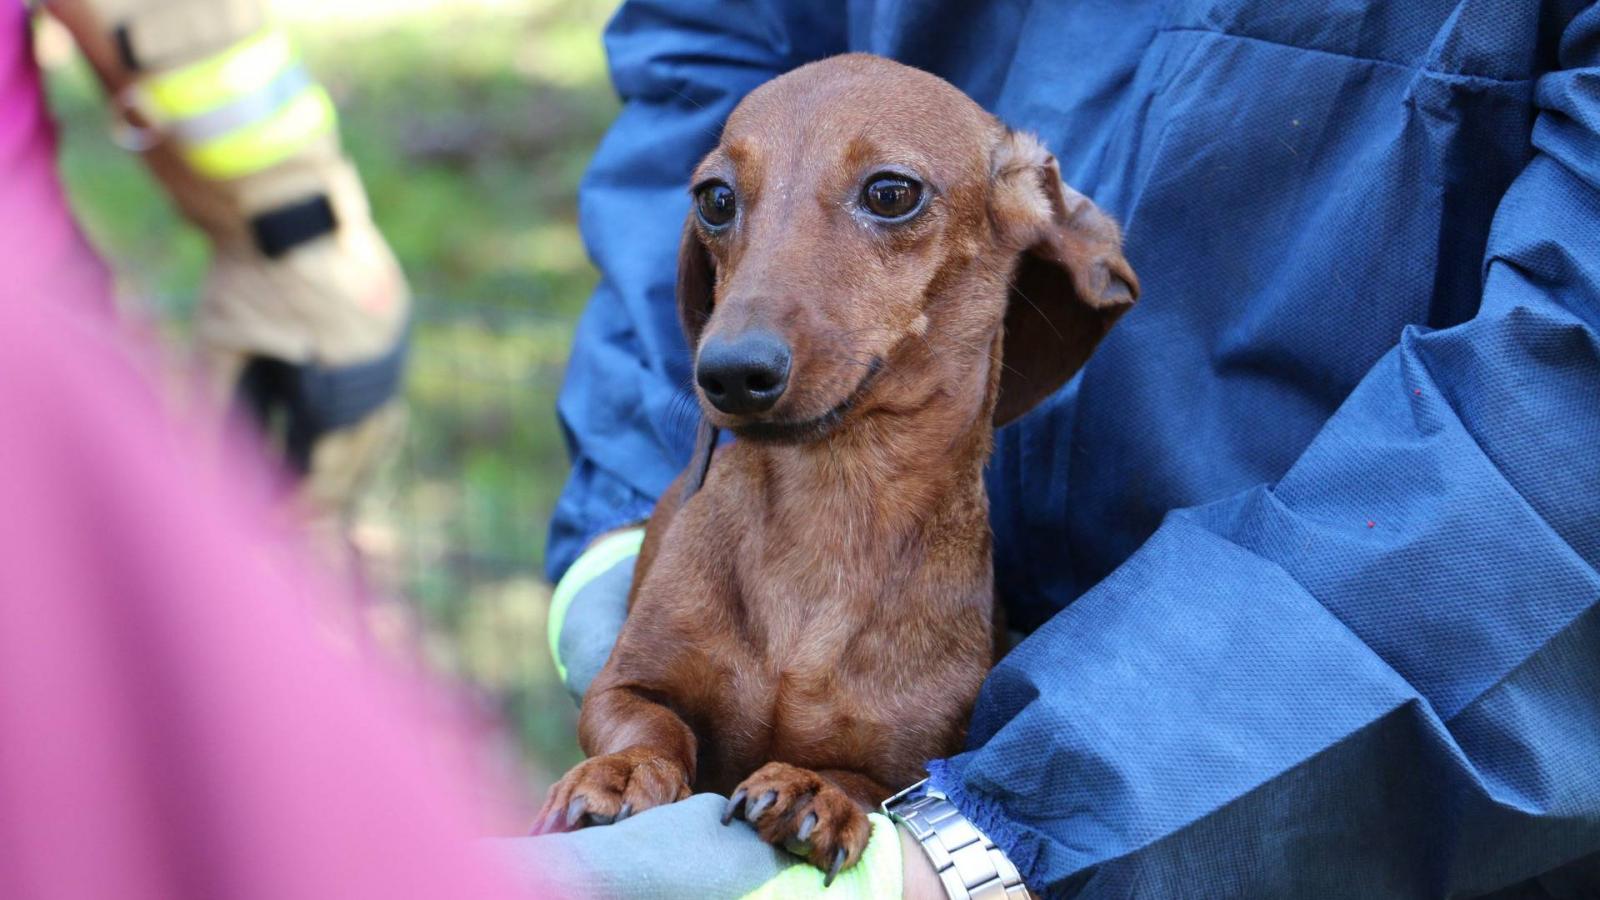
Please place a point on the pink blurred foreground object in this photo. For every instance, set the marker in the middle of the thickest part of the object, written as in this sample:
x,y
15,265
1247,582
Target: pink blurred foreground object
x,y
178,715
173,723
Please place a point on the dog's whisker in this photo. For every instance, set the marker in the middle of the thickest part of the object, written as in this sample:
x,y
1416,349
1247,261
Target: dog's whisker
x,y
1011,283
987,352
683,410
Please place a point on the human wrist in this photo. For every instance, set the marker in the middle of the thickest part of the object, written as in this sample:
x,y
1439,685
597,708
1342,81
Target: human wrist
x,y
944,854
919,880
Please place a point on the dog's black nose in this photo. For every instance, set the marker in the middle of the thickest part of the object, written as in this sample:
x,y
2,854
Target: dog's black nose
x,y
745,373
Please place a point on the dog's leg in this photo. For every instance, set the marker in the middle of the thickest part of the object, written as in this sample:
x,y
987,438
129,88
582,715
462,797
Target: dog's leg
x,y
821,816
643,756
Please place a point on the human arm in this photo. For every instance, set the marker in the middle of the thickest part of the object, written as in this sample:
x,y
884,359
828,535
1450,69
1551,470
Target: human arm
x,y
303,313
1376,676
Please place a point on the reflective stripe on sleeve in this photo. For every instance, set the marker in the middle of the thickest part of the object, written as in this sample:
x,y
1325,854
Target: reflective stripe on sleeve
x,y
595,561
239,111
217,80
264,144
246,110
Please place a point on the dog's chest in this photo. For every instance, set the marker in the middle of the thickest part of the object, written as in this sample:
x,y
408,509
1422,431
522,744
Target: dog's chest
x,y
834,681
792,711
838,640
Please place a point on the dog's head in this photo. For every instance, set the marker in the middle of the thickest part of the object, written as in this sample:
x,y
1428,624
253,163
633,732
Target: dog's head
x,y
857,215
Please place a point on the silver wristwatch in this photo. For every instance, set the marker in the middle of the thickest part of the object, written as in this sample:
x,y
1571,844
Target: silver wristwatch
x,y
969,864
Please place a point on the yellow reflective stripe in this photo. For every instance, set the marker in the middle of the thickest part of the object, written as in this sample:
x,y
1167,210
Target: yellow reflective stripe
x,y
268,142
595,561
878,873
242,69
245,109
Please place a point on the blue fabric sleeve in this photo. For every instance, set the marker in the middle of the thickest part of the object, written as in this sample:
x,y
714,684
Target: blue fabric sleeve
x,y
1380,676
625,406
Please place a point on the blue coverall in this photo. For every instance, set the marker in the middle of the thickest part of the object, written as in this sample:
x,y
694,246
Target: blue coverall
x,y
1309,550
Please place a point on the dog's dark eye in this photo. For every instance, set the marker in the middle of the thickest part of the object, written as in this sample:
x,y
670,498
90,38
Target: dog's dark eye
x,y
891,196
716,204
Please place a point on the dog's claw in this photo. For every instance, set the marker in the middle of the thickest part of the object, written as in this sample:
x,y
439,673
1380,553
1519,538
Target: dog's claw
x,y
548,823
733,805
575,810
833,870
809,823
754,810
624,812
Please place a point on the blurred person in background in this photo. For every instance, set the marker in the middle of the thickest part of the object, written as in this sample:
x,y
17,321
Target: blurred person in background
x,y
302,320
1308,551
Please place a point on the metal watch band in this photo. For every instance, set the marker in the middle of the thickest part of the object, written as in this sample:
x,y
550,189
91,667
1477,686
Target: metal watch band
x,y
969,864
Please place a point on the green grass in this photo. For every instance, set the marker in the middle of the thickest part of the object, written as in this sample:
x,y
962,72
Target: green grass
x,y
471,126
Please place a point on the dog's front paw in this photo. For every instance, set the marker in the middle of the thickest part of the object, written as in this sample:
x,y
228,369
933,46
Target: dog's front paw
x,y
610,788
802,812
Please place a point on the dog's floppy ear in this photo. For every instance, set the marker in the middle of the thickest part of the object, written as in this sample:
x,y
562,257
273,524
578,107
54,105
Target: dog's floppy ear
x,y
1071,283
697,277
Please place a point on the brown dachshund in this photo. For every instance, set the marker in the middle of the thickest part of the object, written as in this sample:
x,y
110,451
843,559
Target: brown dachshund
x,y
876,272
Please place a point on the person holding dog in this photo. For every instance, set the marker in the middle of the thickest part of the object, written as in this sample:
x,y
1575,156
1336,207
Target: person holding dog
x,y
1305,557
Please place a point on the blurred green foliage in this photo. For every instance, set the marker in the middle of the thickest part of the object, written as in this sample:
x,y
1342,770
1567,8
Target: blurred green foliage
x,y
471,124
